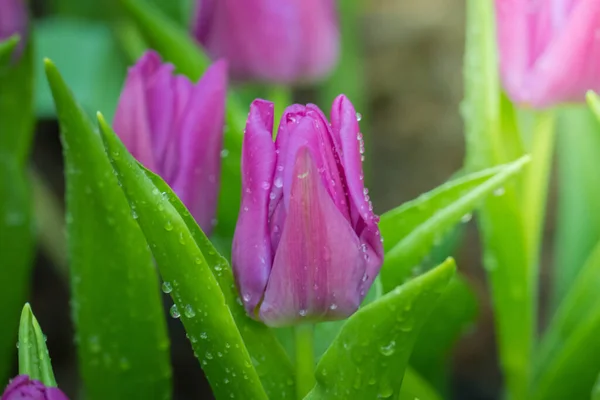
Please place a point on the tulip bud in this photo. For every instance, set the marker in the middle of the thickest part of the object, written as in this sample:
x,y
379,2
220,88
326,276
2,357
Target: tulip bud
x,y
277,41
175,129
13,20
549,49
23,388
307,246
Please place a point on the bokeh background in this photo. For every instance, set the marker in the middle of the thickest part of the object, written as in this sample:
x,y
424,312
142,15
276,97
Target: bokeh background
x,y
412,53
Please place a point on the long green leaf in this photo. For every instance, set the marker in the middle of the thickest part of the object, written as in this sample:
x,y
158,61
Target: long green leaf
x,y
578,214
189,279
7,47
411,229
568,359
176,46
594,103
17,242
34,359
269,357
368,358
120,325
455,311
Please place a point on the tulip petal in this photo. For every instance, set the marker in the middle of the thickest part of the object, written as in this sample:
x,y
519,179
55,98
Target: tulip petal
x,y
345,128
199,146
252,254
131,121
571,63
309,128
318,268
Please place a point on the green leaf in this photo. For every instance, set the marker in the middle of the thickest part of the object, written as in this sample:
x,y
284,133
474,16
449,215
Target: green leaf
x,y
578,215
269,357
90,60
568,359
34,359
189,278
17,240
415,387
594,103
369,356
455,311
7,47
120,325
177,46
412,229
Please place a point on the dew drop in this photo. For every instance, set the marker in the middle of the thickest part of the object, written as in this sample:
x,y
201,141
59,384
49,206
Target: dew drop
x,y
358,116
224,153
388,349
278,182
174,311
466,218
302,312
168,226
265,185
166,287
499,192
189,312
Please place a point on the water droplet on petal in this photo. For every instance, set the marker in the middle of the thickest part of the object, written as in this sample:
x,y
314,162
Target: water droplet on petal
x,y
189,312
358,116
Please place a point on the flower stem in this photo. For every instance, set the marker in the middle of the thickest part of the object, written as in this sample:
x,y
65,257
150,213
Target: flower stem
x,y
305,359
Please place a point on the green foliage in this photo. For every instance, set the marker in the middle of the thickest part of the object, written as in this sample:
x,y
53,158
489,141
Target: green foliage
x,y
568,359
34,359
191,280
368,358
17,242
120,326
411,229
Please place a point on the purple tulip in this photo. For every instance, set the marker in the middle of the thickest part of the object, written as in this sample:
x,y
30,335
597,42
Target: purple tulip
x,y
13,20
307,246
175,128
23,388
549,49
270,40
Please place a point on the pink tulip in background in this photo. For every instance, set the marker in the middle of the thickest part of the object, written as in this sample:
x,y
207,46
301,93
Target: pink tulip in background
x,y
175,128
13,20
307,246
549,49
270,40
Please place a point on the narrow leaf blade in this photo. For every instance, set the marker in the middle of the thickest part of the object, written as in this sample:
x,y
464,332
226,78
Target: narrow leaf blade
x,y
269,357
121,329
17,235
368,358
34,359
412,229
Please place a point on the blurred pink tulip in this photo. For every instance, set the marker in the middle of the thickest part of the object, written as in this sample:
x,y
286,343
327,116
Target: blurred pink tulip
x,y
281,41
175,128
549,49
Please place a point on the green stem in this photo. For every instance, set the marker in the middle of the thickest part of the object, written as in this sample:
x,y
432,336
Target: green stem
x,y
305,359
